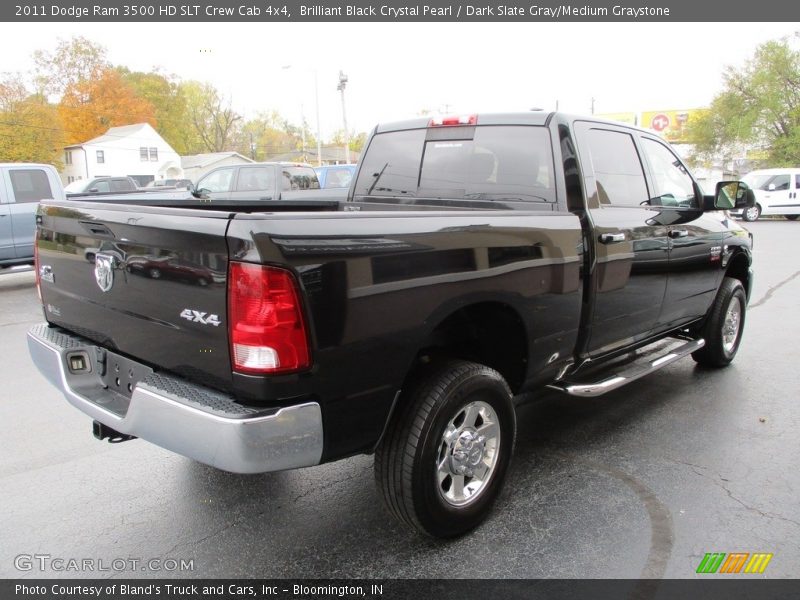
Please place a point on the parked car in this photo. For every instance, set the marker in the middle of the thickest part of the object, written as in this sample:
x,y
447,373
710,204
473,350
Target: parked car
x,y
269,181
101,185
335,176
169,267
22,185
476,258
776,194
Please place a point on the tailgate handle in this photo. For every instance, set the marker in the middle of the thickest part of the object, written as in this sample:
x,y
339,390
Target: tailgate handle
x,y
97,229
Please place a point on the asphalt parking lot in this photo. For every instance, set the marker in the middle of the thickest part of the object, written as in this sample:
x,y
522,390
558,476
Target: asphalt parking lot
x,y
639,483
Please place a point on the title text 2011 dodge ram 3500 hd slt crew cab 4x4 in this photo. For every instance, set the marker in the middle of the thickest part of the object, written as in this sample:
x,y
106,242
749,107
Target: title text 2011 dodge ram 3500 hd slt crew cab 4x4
x,y
475,258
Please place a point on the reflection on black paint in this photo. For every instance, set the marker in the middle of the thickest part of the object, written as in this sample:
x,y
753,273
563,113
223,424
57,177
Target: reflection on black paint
x,y
507,255
422,264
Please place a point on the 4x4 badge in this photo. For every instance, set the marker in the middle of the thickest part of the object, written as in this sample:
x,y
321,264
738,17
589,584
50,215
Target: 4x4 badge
x,y
104,271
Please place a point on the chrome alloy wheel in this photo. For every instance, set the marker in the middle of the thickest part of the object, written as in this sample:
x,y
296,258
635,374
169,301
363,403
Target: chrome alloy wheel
x,y
731,325
468,454
752,213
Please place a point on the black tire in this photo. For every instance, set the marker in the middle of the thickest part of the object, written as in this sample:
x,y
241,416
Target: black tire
x,y
718,351
792,217
751,214
406,460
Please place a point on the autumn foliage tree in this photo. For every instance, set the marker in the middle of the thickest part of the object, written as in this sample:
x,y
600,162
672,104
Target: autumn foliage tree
x,y
89,107
29,125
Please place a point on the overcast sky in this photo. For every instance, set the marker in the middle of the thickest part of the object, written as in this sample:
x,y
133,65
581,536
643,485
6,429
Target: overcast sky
x,y
396,70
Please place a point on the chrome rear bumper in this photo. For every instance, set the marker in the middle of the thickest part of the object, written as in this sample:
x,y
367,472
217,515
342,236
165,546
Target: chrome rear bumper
x,y
180,416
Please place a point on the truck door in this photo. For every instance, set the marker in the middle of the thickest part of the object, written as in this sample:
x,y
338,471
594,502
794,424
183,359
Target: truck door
x,y
777,194
255,183
695,239
217,184
629,270
28,185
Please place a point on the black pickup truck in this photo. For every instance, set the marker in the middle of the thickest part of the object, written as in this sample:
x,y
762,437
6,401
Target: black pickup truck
x,y
476,258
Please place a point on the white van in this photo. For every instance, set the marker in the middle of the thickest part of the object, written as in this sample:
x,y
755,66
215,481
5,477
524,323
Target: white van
x,y
776,193
22,185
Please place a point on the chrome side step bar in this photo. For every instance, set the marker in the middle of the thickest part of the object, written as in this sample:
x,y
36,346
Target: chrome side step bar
x,y
598,388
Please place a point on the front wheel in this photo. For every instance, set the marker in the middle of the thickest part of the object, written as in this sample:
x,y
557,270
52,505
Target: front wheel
x,y
724,326
752,213
444,457
792,217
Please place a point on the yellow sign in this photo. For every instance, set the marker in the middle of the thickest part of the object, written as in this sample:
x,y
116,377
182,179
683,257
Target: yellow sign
x,y
669,124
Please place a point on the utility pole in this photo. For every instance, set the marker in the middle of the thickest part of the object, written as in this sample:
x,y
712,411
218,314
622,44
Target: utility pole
x,y
252,147
302,115
341,86
592,104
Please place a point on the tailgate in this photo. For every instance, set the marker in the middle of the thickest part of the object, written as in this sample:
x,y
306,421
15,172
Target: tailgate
x,y
146,282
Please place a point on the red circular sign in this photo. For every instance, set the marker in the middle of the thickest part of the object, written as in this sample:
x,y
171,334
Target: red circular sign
x,y
660,122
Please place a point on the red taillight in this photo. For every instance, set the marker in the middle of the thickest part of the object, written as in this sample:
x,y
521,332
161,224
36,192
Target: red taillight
x,y
36,264
266,325
453,120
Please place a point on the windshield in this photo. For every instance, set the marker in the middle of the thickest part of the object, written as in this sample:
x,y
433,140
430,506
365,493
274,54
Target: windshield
x,y
474,163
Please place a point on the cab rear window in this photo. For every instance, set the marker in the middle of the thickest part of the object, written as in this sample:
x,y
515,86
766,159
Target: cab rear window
x,y
510,163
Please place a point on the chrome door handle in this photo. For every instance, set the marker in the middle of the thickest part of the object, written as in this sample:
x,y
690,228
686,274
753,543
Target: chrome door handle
x,y
678,233
611,238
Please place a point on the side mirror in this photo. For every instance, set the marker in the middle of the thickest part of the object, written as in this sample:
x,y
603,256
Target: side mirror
x,y
771,187
733,194
93,190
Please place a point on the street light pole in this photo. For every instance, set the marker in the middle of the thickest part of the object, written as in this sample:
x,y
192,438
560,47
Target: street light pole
x,y
342,85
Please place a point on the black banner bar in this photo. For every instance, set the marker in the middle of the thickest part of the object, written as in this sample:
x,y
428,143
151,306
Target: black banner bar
x,y
707,588
281,11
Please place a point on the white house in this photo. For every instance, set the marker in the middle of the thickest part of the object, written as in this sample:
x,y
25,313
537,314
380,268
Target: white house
x,y
133,150
197,165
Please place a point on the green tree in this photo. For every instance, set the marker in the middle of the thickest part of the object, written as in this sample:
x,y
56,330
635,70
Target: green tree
x,y
169,104
758,108
269,135
213,122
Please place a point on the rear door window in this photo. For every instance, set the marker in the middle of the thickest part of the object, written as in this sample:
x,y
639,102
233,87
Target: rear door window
x,y
30,185
121,185
252,179
299,178
617,168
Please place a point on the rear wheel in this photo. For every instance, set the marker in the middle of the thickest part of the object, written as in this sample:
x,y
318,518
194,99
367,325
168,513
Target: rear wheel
x,y
752,213
154,273
723,328
444,457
